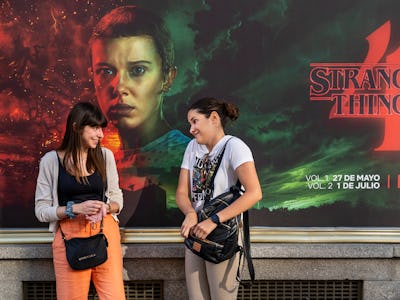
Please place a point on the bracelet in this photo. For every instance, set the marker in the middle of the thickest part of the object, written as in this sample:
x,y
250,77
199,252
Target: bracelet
x,y
68,211
215,219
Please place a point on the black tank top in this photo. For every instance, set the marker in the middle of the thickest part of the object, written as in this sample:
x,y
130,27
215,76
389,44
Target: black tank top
x,y
69,189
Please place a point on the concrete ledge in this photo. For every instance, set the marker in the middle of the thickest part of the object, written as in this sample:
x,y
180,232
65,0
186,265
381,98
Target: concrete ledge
x,y
331,235
382,290
258,250
377,265
345,250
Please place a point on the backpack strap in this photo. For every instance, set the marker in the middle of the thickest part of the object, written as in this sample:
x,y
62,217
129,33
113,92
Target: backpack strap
x,y
220,156
246,226
245,249
246,245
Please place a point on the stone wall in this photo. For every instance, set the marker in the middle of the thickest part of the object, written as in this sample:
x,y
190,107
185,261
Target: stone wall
x,y
377,265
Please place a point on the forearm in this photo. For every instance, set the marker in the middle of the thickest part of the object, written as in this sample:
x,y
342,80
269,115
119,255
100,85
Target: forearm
x,y
61,212
249,179
243,203
190,220
115,198
87,208
114,192
182,193
112,207
184,204
45,212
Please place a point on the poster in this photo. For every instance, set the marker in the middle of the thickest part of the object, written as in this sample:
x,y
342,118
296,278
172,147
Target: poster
x,y
325,155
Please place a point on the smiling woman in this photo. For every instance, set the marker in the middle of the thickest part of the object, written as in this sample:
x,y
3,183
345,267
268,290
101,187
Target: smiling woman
x,y
132,66
77,189
91,136
213,162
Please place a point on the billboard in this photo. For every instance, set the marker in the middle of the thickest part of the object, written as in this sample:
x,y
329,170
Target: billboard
x,y
317,84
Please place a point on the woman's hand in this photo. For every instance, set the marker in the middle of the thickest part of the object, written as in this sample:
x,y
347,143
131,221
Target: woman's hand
x,y
188,223
204,228
88,208
99,216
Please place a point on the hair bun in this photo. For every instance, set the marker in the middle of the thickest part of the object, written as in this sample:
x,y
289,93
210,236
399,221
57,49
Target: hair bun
x,y
232,111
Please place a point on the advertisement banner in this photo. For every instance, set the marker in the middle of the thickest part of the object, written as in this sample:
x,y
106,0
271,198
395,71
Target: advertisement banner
x,y
317,84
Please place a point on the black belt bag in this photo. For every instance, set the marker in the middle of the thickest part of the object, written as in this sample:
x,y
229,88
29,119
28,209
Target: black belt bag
x,y
222,243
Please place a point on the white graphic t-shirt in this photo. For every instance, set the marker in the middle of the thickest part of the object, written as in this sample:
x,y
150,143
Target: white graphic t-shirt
x,y
201,165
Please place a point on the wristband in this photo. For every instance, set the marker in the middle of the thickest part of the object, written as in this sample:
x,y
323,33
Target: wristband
x,y
68,211
215,219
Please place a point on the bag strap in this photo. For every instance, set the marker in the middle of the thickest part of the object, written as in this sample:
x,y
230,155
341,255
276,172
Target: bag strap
x,y
246,245
103,153
246,225
245,249
216,170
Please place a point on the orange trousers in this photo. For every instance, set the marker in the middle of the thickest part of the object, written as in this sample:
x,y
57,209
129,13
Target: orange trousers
x,y
107,277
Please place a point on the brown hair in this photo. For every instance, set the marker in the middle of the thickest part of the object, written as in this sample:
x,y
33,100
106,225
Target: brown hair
x,y
225,110
81,115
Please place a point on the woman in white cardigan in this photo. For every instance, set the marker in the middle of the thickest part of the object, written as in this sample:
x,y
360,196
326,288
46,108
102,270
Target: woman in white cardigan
x,y
77,188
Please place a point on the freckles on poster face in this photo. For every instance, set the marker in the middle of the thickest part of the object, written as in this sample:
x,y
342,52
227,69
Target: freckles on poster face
x,y
128,79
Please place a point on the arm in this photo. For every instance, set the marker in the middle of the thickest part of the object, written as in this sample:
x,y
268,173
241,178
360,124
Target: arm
x,y
248,177
113,192
184,203
45,206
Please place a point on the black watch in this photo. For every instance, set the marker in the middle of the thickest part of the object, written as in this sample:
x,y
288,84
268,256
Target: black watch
x,y
215,219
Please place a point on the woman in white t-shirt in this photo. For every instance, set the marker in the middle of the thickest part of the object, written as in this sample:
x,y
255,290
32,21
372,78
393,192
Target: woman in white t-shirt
x,y
207,118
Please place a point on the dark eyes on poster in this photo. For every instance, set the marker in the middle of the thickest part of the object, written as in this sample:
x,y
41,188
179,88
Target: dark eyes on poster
x,y
317,85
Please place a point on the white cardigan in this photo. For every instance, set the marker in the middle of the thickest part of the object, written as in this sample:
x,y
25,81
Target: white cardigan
x,y
46,196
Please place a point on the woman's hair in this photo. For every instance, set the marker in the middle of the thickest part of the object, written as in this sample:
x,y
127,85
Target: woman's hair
x,y
225,110
81,115
130,20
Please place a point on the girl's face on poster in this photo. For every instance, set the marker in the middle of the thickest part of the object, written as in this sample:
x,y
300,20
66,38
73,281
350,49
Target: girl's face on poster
x,y
128,81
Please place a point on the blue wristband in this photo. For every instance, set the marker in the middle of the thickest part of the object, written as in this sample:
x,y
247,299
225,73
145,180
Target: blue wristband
x,y
215,219
68,211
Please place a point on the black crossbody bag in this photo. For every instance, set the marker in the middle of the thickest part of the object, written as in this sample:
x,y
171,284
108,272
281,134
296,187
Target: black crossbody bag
x,y
222,243
86,252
